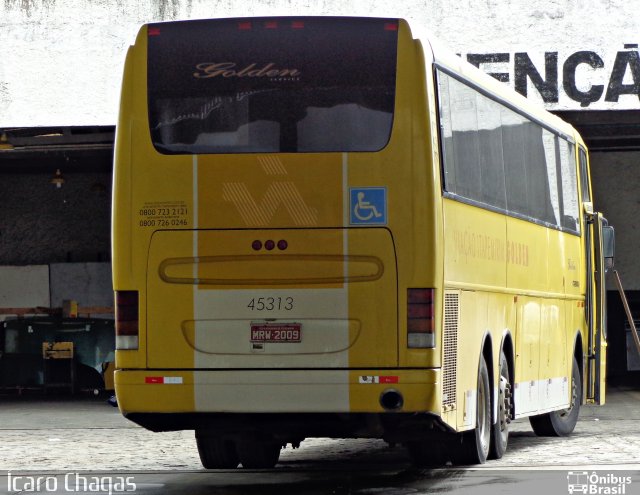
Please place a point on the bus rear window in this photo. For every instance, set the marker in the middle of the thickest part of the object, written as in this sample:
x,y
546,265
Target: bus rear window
x,y
271,85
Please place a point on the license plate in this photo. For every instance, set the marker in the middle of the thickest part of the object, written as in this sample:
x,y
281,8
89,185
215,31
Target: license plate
x,y
276,332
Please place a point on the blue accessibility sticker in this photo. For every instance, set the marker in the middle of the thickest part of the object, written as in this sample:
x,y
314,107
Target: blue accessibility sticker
x,y
368,206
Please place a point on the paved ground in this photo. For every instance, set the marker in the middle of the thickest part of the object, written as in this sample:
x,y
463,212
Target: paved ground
x,y
88,435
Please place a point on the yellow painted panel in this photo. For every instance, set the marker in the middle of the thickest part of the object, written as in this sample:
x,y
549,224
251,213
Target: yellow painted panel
x,y
329,294
473,325
135,395
270,191
374,303
528,339
553,339
566,256
527,254
475,248
419,389
167,347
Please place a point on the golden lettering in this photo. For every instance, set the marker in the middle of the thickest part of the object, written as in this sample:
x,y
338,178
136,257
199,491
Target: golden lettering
x,y
481,246
206,70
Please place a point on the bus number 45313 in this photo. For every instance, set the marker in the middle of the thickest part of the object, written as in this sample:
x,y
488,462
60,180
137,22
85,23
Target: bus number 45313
x,y
271,304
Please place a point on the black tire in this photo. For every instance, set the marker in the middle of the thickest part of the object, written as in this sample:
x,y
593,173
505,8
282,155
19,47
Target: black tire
x,y
216,453
475,444
258,455
561,423
500,430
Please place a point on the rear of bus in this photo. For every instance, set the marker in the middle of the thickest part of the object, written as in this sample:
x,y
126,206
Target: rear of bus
x,y
274,230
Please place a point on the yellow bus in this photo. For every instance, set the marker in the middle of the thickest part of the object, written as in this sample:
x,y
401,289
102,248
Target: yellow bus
x,y
323,227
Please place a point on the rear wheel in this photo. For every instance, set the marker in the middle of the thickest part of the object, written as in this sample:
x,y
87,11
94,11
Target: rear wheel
x,y
216,453
500,430
257,454
474,448
561,423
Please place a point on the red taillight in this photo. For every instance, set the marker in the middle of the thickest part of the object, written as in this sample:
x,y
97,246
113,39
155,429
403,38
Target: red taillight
x,y
297,25
127,317
420,318
154,31
420,311
244,26
271,25
390,26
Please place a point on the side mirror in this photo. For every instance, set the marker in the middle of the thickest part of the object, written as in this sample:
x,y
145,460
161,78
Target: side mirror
x,y
608,245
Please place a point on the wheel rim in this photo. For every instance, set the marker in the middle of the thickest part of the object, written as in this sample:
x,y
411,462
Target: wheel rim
x,y
483,417
574,397
504,399
504,406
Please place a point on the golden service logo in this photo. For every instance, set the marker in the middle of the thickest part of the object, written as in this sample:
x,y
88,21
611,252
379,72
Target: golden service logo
x,y
206,70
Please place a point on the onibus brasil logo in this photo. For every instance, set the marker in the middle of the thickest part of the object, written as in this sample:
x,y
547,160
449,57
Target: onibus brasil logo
x,y
597,483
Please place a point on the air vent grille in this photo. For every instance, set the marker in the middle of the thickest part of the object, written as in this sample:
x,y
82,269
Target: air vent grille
x,y
450,358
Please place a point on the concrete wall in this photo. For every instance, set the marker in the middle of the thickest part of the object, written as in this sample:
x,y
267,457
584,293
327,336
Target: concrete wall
x,y
616,191
40,224
87,283
47,286
24,287
61,60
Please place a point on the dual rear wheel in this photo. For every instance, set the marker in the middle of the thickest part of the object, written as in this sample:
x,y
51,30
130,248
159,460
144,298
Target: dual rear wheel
x,y
489,440
486,440
222,453
475,445
500,429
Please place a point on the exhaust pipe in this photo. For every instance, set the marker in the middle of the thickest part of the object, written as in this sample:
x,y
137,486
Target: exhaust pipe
x,y
391,400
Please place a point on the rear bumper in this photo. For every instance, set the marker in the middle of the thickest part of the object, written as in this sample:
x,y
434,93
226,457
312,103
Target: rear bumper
x,y
274,391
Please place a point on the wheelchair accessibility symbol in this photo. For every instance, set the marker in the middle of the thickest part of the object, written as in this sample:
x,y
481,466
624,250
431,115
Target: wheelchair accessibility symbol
x,y
368,206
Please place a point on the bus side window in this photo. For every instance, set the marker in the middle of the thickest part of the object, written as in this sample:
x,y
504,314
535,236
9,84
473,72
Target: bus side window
x,y
584,177
570,209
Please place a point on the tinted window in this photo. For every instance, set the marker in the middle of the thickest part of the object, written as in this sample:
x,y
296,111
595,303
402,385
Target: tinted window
x,y
472,142
498,157
446,134
513,132
548,185
464,124
490,154
271,85
571,210
584,177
